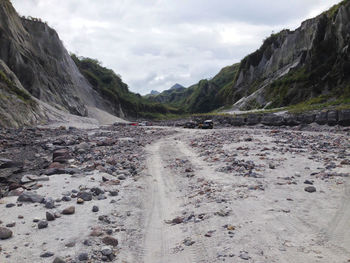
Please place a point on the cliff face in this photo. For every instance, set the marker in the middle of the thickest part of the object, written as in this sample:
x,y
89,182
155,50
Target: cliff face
x,y
35,54
293,66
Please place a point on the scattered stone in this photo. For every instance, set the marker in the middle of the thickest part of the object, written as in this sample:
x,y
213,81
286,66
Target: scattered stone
x,y
244,255
69,210
10,205
5,233
188,242
66,198
11,224
87,242
50,216
310,189
106,251
47,254
95,209
86,196
308,182
113,193
59,260
111,241
30,197
49,203
80,201
83,256
43,224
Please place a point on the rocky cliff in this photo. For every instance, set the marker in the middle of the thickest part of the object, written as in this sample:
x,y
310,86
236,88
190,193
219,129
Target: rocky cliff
x,y
294,66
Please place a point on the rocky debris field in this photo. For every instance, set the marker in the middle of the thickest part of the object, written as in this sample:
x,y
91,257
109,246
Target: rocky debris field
x,y
147,194
62,189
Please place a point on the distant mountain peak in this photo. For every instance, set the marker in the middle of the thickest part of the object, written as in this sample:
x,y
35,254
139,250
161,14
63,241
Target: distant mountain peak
x,y
154,92
176,86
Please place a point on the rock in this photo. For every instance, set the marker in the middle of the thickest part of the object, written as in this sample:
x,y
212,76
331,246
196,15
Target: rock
x,y
96,232
321,118
66,198
188,242
244,255
87,242
43,224
10,205
5,233
113,193
50,216
69,210
272,120
308,182
59,260
11,224
111,241
121,177
85,196
80,201
60,156
95,209
344,117
7,163
30,197
47,254
175,221
310,189
49,203
83,256
332,117
106,251
97,191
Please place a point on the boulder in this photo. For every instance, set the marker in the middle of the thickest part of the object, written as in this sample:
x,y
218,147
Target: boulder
x,y
30,197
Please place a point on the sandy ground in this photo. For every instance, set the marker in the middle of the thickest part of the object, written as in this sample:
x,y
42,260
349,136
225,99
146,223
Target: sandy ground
x,y
185,208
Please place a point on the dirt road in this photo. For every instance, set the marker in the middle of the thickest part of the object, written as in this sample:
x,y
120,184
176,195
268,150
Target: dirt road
x,y
264,218
204,196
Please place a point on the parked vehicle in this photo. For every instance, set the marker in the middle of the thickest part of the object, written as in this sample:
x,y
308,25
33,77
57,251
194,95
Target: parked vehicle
x,y
208,124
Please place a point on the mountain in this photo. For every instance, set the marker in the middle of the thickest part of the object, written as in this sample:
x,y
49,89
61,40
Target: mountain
x,y
154,92
205,96
38,75
308,65
176,86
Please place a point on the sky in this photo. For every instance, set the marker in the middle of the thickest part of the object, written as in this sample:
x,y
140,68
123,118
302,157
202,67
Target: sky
x,y
154,44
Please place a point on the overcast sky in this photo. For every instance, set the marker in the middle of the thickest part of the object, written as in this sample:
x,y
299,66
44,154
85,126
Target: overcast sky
x,y
154,44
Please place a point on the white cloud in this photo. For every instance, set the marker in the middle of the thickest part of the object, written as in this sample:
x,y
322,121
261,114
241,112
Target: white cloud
x,y
154,44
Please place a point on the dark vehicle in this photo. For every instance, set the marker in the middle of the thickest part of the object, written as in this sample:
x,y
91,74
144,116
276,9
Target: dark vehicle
x,y
190,125
208,124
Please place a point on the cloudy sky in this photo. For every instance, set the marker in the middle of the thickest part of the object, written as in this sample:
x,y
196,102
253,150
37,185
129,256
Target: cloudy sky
x,y
154,44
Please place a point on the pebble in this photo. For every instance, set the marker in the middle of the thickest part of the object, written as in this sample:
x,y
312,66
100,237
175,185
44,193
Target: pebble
x,y
50,216
310,189
59,260
80,201
43,224
47,254
49,203
69,210
83,256
5,233
10,205
85,196
11,224
95,209
106,251
111,241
